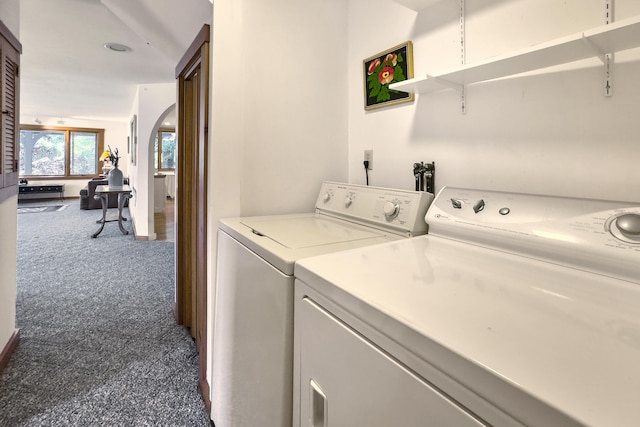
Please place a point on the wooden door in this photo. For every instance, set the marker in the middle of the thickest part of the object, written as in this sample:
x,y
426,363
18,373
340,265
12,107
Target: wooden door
x,y
191,198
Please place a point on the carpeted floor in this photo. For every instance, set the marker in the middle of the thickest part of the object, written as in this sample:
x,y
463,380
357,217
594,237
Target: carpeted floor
x,y
98,343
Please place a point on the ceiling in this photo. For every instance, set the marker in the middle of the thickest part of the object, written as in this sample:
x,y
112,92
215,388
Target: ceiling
x,y
66,72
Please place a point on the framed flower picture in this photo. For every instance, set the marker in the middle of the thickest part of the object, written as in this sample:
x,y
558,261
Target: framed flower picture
x,y
391,66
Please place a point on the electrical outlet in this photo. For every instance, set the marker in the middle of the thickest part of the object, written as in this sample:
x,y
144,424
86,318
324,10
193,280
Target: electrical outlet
x,y
368,157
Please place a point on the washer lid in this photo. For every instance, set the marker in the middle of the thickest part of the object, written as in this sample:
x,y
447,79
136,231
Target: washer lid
x,y
309,231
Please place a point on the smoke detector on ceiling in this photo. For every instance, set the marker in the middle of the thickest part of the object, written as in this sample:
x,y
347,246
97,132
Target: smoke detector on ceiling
x,y
117,47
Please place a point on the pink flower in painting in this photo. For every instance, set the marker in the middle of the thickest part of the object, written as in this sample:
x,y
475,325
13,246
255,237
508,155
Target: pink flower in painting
x,y
373,65
385,76
391,59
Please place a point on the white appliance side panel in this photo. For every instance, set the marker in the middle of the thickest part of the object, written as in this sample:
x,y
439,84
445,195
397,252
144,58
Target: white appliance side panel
x,y
344,380
254,315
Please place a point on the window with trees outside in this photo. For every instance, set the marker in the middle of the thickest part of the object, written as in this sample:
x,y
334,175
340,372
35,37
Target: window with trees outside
x,y
165,150
53,151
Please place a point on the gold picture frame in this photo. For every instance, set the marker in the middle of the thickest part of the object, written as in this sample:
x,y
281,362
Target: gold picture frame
x,y
390,66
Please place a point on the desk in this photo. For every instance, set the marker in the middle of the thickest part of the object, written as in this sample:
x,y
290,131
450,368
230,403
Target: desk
x,y
102,193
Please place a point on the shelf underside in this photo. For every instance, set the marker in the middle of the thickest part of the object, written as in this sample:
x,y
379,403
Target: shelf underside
x,y
416,5
610,38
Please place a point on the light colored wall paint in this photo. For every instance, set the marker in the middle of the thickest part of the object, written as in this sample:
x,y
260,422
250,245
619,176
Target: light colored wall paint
x,y
150,105
10,16
278,116
8,231
115,135
552,132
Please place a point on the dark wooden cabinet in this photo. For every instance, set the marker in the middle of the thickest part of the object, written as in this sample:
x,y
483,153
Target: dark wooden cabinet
x,y
10,50
42,189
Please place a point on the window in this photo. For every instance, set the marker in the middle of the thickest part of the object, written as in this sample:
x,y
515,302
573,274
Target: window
x,y
165,149
52,151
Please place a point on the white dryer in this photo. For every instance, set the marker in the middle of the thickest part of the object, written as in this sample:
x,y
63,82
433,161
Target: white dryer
x,y
253,336
514,310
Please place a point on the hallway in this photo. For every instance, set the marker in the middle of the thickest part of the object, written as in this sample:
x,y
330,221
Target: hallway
x,y
98,342
164,223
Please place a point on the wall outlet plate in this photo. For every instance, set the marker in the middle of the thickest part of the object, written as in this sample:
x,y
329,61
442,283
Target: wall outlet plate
x,y
368,156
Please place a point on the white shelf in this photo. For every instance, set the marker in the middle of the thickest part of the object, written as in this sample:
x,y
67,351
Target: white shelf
x,y
609,38
417,5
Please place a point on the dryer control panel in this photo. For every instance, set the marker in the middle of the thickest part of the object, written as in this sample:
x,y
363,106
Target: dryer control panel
x,y
398,211
600,236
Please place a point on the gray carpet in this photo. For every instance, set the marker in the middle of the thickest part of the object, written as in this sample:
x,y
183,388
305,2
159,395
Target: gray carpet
x,y
98,342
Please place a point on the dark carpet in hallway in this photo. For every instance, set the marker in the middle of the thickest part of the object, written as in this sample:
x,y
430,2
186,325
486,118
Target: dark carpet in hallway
x,y
98,342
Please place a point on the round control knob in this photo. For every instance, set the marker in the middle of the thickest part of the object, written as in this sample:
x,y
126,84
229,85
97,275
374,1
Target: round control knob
x,y
629,224
391,210
347,201
326,197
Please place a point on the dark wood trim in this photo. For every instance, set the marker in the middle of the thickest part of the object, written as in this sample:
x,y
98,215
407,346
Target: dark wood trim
x,y
7,34
203,36
191,213
59,178
9,349
205,393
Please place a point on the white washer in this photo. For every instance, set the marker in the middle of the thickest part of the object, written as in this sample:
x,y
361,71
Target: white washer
x,y
515,309
253,335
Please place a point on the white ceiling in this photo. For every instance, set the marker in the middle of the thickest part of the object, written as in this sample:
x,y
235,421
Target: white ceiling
x,y
67,73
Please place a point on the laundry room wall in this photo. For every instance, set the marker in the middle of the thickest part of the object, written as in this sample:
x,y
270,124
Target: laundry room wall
x,y
551,131
278,113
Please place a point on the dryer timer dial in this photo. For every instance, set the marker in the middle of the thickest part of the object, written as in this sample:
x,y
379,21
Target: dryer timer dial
x,y
629,224
625,227
391,210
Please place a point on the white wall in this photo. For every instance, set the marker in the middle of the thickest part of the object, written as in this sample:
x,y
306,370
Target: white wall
x,y
9,14
115,135
278,123
150,105
552,133
8,231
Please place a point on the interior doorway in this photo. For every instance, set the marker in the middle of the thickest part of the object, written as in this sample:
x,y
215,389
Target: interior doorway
x,y
190,310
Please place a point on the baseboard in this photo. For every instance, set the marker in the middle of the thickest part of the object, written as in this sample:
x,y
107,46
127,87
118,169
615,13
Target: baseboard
x,y
204,392
8,349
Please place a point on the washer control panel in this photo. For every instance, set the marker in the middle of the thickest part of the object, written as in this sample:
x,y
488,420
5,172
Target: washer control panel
x,y
398,211
600,235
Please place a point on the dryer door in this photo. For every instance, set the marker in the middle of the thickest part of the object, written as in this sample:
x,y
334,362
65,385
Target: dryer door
x,y
345,380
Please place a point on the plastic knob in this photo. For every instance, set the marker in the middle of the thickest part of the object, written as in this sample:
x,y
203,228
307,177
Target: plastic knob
x,y
629,224
479,206
347,201
326,197
391,210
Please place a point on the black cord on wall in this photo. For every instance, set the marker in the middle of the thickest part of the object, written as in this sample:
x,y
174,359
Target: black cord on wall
x,y
366,170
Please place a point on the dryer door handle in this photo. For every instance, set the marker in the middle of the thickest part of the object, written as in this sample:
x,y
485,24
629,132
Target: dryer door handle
x,y
319,406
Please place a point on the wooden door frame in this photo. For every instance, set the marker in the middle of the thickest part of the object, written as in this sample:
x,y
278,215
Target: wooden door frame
x,y
192,72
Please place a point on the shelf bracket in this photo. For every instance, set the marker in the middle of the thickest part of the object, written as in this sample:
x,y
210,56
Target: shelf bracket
x,y
608,57
463,58
451,85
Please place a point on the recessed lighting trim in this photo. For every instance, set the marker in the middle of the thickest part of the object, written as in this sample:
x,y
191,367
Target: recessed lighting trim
x,y
117,47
